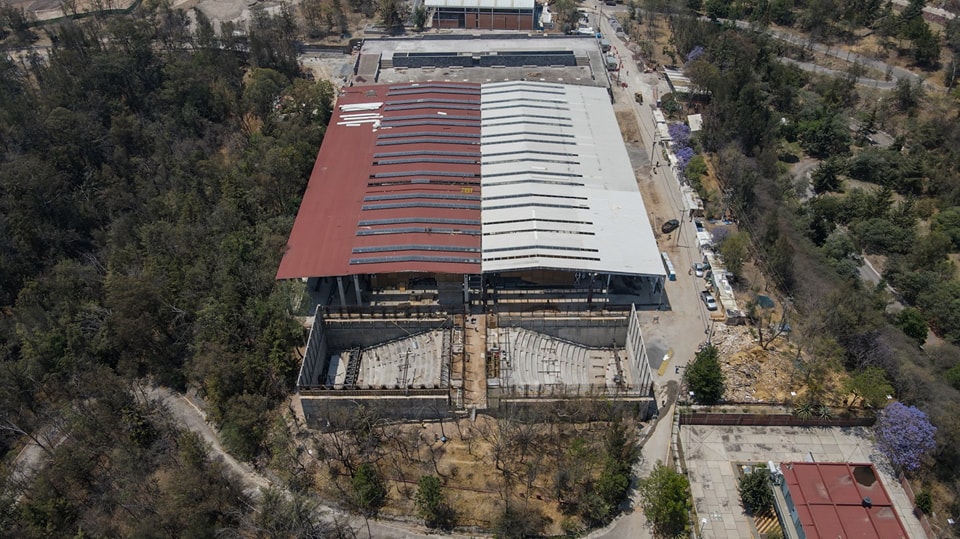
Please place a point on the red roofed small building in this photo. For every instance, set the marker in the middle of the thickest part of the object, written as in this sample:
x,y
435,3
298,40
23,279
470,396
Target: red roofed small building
x,y
835,501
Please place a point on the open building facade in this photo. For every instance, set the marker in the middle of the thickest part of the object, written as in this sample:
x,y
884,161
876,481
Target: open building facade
x,y
470,245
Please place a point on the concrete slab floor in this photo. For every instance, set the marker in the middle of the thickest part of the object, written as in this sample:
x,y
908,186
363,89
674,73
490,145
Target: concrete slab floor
x,y
712,451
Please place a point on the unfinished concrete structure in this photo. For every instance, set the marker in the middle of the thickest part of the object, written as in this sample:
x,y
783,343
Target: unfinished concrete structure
x,y
435,363
470,252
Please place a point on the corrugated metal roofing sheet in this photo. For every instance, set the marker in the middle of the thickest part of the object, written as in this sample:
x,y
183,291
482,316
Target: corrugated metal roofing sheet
x,y
482,4
391,193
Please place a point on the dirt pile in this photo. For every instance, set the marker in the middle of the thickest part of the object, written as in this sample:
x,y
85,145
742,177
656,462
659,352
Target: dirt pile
x,y
752,373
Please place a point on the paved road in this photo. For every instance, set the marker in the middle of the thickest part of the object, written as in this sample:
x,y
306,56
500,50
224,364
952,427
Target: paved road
x,y
683,327
894,73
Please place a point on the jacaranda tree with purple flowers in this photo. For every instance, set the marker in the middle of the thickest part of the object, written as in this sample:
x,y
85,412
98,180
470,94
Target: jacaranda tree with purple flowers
x,y
680,133
905,435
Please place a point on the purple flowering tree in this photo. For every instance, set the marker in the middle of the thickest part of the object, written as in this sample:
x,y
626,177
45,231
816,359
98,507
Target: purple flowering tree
x,y
680,133
695,53
905,435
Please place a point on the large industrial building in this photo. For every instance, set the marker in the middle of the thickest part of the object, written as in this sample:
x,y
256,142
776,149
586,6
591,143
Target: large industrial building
x,y
470,245
483,14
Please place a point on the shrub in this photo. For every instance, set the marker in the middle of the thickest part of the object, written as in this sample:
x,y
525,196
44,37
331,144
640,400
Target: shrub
x,y
755,490
924,501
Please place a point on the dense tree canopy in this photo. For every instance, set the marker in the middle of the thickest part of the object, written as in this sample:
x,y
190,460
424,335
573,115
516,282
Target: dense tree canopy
x,y
148,179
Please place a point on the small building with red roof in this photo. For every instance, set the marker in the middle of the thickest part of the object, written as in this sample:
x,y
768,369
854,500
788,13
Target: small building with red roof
x,y
835,501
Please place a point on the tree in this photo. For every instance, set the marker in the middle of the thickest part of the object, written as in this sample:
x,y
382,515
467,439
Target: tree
x,y
704,376
911,321
826,177
393,13
870,386
948,222
665,499
824,136
519,522
755,490
734,250
432,506
905,435
419,18
369,492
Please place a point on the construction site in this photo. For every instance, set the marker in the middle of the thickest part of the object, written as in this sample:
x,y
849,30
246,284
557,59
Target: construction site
x,y
471,253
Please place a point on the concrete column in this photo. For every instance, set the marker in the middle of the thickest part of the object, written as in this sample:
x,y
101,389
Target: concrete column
x,y
343,296
466,289
356,288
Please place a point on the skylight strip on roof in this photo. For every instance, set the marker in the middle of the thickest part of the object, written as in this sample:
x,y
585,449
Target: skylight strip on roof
x,y
397,142
431,106
436,196
539,230
428,85
428,152
532,98
529,134
520,87
530,160
536,205
443,173
527,122
533,181
407,161
537,172
414,258
415,247
515,106
429,116
537,247
439,205
427,220
432,91
475,184
488,118
448,123
541,255
433,102
526,141
537,220
524,195
529,152
419,230
427,134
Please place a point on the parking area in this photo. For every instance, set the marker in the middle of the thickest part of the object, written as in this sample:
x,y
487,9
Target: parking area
x,y
712,454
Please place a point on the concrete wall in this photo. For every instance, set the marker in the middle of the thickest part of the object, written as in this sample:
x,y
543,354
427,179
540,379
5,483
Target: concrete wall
x,y
641,375
343,334
334,407
316,354
642,407
593,332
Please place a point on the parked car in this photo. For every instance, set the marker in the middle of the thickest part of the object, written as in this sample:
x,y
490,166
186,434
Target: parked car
x,y
709,300
698,269
670,226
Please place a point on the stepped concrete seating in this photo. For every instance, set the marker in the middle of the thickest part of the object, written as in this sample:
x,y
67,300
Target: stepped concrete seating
x,y
383,365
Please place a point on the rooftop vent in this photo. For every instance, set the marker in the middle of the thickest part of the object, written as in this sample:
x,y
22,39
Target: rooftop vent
x,y
867,502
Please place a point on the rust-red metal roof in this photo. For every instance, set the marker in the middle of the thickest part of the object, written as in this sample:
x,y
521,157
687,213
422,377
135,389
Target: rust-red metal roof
x,y
829,501
396,185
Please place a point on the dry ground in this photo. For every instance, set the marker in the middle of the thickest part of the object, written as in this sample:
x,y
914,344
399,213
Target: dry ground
x,y
466,465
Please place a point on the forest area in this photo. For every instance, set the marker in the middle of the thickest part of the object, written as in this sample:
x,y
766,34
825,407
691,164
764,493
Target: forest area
x,y
149,174
897,203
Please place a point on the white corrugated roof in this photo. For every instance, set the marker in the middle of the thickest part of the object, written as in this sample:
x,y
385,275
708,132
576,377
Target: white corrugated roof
x,y
484,4
558,188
